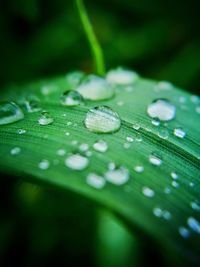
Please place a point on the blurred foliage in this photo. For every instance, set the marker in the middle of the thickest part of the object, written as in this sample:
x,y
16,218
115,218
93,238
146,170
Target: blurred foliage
x,y
44,38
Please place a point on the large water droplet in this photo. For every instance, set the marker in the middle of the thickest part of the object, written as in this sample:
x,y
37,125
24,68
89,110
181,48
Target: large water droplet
x,y
9,113
32,105
121,76
95,88
161,109
100,146
76,162
117,176
95,180
45,118
155,159
102,119
179,132
71,98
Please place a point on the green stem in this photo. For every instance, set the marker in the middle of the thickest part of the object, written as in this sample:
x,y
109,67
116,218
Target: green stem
x,y
94,44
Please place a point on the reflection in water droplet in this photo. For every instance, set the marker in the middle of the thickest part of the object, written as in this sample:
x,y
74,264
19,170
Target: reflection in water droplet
x,y
184,232
121,76
9,113
45,118
161,109
179,132
44,164
155,122
95,180
15,151
193,224
148,192
102,119
76,162
139,168
95,88
71,98
100,146
155,159
118,176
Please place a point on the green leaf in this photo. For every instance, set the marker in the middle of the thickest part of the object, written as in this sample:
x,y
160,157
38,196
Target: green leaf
x,y
180,155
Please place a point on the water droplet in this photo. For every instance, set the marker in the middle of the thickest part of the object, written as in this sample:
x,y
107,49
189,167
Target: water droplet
x,y
126,145
136,126
45,118
95,88
166,215
102,119
121,76
182,99
167,190
49,89
9,113
163,134
164,85
193,224
161,109
155,159
174,175
155,122
138,137
21,131
71,98
118,176
120,103
148,192
69,123
179,132
32,105
175,184
74,78
111,166
95,180
76,162
184,232
83,147
15,151
139,168
61,152
197,109
100,146
195,206
67,133
44,164
195,99
129,139
157,212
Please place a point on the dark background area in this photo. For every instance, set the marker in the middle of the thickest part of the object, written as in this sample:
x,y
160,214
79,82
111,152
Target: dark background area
x,y
159,39
44,38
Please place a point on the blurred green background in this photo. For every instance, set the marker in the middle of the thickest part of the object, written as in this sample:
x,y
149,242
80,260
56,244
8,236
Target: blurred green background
x,y
43,38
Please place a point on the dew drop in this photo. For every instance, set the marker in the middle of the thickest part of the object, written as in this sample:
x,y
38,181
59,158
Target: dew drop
x,y
195,99
61,152
121,76
95,88
198,109
95,180
9,113
100,146
148,192
74,78
21,131
193,224
138,137
49,89
136,126
117,176
15,151
195,206
111,166
164,85
32,105
174,175
45,118
175,184
163,134
155,122
139,169
71,98
179,132
161,109
83,147
44,164
129,139
157,212
102,119
184,232
155,159
76,162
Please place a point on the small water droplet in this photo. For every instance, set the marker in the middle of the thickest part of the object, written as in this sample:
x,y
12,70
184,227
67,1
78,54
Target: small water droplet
x,y
155,122
74,78
138,137
184,232
195,206
49,89
121,76
76,162
126,145
71,98
175,184
15,151
9,113
157,212
61,152
193,224
117,176
45,118
129,139
111,166
44,164
32,105
102,119
21,131
139,168
182,99
197,109
195,99
83,147
136,126
161,109
95,180
69,123
174,175
155,159
67,133
95,88
148,192
164,85
179,132
167,190
100,146
163,134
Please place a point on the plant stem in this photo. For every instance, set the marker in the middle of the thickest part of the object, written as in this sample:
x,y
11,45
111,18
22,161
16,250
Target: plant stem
x,y
94,44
